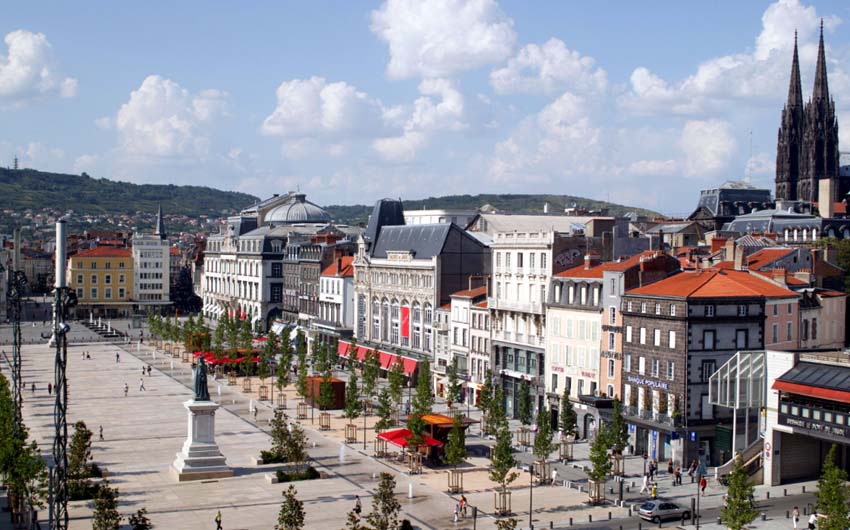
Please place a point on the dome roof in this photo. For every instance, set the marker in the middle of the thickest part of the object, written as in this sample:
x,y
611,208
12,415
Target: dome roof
x,y
297,210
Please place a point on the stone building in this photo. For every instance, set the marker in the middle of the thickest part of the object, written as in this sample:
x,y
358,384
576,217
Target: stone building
x,y
102,279
152,272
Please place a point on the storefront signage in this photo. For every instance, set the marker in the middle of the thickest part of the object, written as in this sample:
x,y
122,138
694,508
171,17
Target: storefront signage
x,y
559,369
646,382
589,374
814,426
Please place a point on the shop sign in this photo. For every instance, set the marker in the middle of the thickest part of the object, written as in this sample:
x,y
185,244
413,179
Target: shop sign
x,y
647,382
814,426
559,369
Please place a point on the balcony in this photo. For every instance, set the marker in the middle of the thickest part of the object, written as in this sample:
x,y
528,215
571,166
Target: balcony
x,y
436,325
506,305
520,338
650,417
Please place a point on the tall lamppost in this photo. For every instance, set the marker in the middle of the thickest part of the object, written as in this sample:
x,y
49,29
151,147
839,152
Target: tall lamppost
x,y
530,494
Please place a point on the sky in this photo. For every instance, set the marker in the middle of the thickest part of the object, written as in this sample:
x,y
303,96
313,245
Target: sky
x,y
633,102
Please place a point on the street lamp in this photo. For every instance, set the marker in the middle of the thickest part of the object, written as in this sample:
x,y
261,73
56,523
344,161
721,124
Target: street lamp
x,y
696,513
530,494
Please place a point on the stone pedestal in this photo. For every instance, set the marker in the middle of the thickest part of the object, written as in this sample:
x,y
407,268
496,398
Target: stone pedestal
x,y
200,458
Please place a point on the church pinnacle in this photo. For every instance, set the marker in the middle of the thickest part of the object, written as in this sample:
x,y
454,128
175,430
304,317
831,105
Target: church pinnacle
x,y
795,89
821,89
160,225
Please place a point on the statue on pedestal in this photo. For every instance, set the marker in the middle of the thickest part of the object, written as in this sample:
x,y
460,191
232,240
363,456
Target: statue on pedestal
x,y
202,393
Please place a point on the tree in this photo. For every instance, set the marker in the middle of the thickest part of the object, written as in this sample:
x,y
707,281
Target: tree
x,y
371,371
301,352
280,434
502,460
524,405
385,507
423,401
395,380
263,369
567,421
296,446
506,524
599,459
106,516
485,395
352,394
218,342
246,338
740,510
543,444
140,521
326,390
454,386
617,431
455,449
353,522
385,411
79,454
833,494
291,515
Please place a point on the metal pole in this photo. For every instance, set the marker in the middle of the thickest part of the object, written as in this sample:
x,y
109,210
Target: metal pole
x,y
530,493
699,479
60,440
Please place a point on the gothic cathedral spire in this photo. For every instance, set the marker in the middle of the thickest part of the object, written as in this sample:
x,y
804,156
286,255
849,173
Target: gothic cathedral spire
x,y
160,225
790,141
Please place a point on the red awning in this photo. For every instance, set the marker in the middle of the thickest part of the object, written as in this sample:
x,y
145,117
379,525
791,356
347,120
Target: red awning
x,y
399,437
409,366
387,359
841,396
342,349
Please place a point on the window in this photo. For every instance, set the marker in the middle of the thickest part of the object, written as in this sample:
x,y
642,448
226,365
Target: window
x,y
107,292
805,330
672,310
627,362
775,309
708,339
709,310
671,370
612,315
643,307
656,366
508,260
107,265
79,279
611,341
629,305
277,270
657,309
790,310
742,310
610,391
775,331
542,260
657,337
94,278
706,369
741,339
531,261
93,265
671,340
788,331
554,379
814,329
628,333
643,335
120,278
610,367
121,293
80,293
519,260
94,292
107,279
641,365
120,264
498,259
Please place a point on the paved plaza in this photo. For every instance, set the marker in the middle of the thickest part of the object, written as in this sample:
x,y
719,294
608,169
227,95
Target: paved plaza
x,y
144,431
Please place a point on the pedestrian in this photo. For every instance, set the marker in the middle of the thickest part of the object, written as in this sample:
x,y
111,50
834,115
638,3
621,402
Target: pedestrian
x,y
357,507
645,486
693,468
143,370
554,477
652,469
126,388
456,510
83,355
795,516
463,505
255,412
117,357
100,433
88,356
49,388
677,476
149,370
141,385
218,520
702,484
813,520
32,388
670,466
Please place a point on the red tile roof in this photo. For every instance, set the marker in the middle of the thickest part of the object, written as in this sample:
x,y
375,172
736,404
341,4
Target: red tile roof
x,y
471,293
104,252
482,304
346,271
829,293
714,284
616,266
839,207
174,251
446,307
765,256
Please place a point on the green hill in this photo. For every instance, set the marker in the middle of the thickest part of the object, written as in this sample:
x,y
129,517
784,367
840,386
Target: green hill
x,y
31,189
358,214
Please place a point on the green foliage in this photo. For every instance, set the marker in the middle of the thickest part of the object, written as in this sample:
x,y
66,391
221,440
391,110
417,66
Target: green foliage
x,y
543,442
301,352
385,411
352,522
140,521
283,367
106,516
352,393
291,515
371,371
455,449
279,434
740,510
454,386
506,524
567,421
308,473
423,399
79,454
326,392
524,405
385,507
600,461
395,380
485,395
617,431
833,494
296,446
502,461
218,342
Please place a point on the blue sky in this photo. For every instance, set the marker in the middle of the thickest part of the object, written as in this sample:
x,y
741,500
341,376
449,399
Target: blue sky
x,y
639,103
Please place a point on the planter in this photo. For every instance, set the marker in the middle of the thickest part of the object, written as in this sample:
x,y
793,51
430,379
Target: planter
x,y
502,502
542,470
246,384
523,436
351,434
565,451
455,481
281,400
231,379
301,411
414,463
324,421
263,393
596,491
380,448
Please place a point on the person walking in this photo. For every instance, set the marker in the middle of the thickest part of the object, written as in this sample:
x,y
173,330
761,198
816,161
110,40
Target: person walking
x,y
143,370
795,517
218,520
463,504
456,511
117,357
645,486
100,433
670,466
32,388
813,520
357,507
702,484
141,385
126,388
149,370
677,476
255,413
49,388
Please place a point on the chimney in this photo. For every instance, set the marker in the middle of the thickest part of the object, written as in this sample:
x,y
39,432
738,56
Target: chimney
x,y
338,266
590,261
826,202
739,258
717,243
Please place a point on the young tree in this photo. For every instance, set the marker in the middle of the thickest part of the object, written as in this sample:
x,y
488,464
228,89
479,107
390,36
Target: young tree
x,y
567,421
502,461
371,371
485,395
423,401
296,447
385,411
740,510
352,394
291,515
79,454
455,450
618,435
833,494
385,507
396,381
140,521
218,342
301,352
507,524
106,516
326,391
280,434
263,371
599,459
454,387
352,522
543,443
270,346
524,405
246,338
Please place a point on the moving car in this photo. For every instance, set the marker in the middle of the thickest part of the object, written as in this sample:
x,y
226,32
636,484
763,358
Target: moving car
x,y
658,510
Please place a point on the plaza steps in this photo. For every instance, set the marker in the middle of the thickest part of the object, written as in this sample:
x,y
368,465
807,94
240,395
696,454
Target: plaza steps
x,y
752,456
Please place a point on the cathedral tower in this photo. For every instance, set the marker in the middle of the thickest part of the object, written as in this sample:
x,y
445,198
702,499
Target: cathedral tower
x,y
790,141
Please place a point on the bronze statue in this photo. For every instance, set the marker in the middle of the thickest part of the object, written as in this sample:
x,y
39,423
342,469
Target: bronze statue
x,y
201,391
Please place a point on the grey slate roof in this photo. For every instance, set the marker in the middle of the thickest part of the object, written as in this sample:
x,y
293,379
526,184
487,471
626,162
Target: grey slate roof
x,y
827,376
426,241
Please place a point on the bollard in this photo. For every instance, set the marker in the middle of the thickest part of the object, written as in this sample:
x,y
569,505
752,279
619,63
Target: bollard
x,y
804,489
410,490
640,525
767,494
805,510
659,523
609,516
551,525
763,516
611,490
787,514
633,484
571,521
627,489
590,518
784,492
718,520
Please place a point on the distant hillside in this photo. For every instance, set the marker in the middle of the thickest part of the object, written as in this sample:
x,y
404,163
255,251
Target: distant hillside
x,y
359,213
28,188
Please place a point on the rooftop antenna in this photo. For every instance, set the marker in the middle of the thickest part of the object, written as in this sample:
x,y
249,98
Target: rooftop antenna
x,y
15,164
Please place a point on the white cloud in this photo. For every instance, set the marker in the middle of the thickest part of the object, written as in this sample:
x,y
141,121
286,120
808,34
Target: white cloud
x,y
85,163
761,164
653,168
756,76
313,107
28,71
164,119
707,146
547,68
104,122
427,116
437,38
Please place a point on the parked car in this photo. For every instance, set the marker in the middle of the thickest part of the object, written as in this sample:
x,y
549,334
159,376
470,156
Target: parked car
x,y
658,510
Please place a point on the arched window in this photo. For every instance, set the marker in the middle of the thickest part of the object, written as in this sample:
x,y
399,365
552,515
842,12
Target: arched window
x,y
394,337
416,326
428,315
376,319
385,321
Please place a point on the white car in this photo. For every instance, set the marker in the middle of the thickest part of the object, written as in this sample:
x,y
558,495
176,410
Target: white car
x,y
658,510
